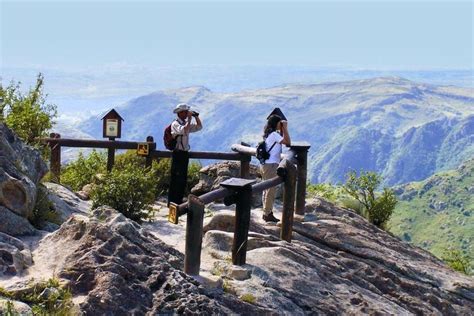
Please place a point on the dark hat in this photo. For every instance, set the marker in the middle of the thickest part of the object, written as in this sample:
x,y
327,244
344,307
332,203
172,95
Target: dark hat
x,y
278,112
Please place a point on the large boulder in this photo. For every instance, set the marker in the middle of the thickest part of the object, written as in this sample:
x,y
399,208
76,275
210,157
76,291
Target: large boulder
x,y
337,263
211,176
21,168
14,255
113,266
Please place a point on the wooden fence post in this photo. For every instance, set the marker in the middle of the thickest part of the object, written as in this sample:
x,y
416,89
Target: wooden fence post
x,y
301,149
151,149
288,201
55,159
243,190
195,218
245,167
110,157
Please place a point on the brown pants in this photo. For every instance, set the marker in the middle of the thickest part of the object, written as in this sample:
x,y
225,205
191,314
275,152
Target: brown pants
x,y
268,196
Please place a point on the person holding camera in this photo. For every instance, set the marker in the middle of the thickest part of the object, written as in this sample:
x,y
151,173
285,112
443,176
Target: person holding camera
x,y
275,135
180,130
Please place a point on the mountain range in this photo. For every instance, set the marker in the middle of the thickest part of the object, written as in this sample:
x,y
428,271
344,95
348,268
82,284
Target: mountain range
x,y
402,129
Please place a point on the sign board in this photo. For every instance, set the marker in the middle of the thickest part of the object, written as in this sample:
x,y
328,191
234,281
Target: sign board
x,y
142,149
111,128
173,214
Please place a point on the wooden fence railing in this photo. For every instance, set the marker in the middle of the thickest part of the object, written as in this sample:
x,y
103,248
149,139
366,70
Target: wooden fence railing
x,y
292,171
239,192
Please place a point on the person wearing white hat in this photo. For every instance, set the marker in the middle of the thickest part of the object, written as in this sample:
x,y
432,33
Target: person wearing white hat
x,y
180,130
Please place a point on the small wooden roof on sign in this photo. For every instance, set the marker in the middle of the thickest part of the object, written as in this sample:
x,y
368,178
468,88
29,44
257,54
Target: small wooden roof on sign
x,y
112,114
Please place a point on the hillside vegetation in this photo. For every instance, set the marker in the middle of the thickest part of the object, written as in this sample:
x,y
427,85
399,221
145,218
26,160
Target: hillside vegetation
x,y
438,214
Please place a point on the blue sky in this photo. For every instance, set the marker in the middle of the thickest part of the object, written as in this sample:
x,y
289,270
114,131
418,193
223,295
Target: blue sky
x,y
376,35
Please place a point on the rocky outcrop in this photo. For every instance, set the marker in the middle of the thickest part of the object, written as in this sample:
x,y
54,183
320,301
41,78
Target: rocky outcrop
x,y
117,268
338,263
211,176
21,168
14,255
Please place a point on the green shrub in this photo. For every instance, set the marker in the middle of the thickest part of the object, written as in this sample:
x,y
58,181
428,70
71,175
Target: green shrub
x,y
377,209
326,191
27,114
82,171
44,211
457,260
131,191
58,302
10,309
353,204
193,175
248,297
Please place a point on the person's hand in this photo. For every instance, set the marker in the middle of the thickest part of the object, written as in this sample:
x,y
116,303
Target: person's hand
x,y
284,124
190,114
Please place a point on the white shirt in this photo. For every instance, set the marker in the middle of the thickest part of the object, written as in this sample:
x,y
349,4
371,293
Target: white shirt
x,y
182,139
275,153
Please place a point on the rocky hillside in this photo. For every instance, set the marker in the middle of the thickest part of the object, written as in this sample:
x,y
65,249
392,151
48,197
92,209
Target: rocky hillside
x,y
402,129
438,213
337,263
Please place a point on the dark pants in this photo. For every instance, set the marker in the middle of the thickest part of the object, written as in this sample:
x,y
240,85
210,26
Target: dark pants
x,y
179,175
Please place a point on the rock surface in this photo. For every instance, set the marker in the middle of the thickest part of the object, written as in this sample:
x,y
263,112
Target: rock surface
x,y
211,176
21,168
113,266
338,263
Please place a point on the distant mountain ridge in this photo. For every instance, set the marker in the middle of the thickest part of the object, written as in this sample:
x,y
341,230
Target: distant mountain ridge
x,y
404,130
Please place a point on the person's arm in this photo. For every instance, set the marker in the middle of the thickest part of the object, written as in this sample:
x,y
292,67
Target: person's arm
x,y
196,127
187,127
286,136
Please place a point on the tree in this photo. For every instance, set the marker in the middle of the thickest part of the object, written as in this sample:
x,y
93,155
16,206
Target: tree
x,y
27,115
457,260
377,209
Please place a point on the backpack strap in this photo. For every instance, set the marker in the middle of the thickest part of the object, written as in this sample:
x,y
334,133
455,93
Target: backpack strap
x,y
271,147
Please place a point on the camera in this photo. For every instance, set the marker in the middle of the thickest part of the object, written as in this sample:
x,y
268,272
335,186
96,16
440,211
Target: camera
x,y
195,113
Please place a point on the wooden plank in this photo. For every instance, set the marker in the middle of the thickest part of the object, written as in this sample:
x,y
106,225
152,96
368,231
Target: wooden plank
x,y
301,182
245,169
110,159
195,218
236,183
288,202
301,144
152,148
55,159
264,185
242,224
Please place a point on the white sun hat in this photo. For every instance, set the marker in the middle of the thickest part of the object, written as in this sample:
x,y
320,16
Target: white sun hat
x,y
181,107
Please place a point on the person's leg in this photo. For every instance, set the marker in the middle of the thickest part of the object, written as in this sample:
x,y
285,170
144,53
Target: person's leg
x,y
269,171
182,175
179,173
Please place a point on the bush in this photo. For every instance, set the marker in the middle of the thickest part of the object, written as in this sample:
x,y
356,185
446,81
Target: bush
x,y
82,171
326,191
377,209
193,175
27,114
58,302
457,260
44,211
131,191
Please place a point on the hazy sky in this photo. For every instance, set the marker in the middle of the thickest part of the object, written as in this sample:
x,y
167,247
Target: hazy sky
x,y
382,34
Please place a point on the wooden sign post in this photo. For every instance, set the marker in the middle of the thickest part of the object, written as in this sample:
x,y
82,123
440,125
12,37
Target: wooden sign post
x,y
111,128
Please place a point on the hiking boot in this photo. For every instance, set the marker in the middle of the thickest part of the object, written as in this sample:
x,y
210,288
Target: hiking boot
x,y
270,218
